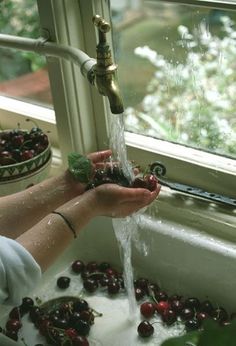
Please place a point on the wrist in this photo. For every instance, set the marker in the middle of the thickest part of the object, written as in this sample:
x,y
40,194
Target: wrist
x,y
72,186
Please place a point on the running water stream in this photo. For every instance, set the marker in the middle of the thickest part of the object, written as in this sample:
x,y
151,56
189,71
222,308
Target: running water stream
x,y
126,228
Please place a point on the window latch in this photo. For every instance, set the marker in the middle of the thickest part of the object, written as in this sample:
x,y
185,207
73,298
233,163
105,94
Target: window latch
x,y
159,170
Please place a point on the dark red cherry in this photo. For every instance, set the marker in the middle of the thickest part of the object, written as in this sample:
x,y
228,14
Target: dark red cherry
x,y
80,305
63,282
13,325
140,183
113,287
220,314
104,266
142,283
192,303
6,158
92,266
161,296
187,314
169,316
201,316
87,316
145,329
90,285
26,304
192,324
15,313
77,266
12,335
27,155
207,307
139,293
17,141
82,327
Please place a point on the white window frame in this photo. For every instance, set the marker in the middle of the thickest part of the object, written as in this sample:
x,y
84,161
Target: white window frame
x,y
82,114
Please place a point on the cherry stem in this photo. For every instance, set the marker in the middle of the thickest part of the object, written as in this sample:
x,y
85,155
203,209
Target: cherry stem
x,y
26,142
97,314
33,121
23,340
151,293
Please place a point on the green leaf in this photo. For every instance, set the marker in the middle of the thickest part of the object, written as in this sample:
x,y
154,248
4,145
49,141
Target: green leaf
x,y
189,339
80,167
212,335
218,336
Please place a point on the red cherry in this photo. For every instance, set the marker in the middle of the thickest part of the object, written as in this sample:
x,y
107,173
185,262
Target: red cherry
x,y
71,333
151,181
147,309
162,306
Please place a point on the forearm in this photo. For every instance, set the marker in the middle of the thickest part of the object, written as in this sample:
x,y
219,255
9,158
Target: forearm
x,y
51,236
22,210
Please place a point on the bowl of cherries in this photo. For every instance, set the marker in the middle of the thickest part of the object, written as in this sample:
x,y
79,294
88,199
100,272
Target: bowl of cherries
x,y
25,158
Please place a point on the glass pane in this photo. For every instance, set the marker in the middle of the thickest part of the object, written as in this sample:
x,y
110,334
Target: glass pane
x,y
177,72
23,75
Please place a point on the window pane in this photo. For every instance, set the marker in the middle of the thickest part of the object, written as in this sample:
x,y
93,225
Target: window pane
x,y
177,72
23,75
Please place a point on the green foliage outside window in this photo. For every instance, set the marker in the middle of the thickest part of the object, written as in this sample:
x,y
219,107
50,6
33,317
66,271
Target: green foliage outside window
x,y
192,102
19,18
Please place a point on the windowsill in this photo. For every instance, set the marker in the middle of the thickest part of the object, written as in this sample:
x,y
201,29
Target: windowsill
x,y
185,165
27,109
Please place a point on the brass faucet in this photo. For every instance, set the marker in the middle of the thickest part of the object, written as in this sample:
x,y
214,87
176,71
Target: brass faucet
x,y
105,71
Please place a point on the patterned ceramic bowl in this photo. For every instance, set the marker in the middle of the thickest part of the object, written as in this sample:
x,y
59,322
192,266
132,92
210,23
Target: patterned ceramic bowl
x,y
19,183
17,176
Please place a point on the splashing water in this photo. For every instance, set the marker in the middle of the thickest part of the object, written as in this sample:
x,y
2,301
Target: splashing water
x,y
117,144
125,229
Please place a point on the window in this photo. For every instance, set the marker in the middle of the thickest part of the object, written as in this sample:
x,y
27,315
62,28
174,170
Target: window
x,y
177,75
183,61
23,75
82,115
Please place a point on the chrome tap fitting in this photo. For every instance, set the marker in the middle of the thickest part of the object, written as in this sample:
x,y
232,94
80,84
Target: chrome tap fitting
x,y
105,71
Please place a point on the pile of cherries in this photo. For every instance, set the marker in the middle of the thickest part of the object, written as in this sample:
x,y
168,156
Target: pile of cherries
x,y
68,322
153,300
19,145
114,174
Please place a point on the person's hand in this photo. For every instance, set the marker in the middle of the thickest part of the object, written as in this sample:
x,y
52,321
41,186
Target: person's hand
x,y
117,201
98,158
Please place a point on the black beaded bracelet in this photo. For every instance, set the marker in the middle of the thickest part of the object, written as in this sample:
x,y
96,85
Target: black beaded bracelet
x,y
67,222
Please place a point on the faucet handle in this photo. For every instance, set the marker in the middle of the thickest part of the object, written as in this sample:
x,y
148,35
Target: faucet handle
x,y
102,25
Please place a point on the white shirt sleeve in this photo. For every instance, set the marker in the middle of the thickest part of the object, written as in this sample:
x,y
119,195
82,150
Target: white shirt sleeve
x,y
19,272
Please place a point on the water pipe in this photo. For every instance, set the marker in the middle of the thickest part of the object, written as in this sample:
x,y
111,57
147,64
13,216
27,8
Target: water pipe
x,y
100,72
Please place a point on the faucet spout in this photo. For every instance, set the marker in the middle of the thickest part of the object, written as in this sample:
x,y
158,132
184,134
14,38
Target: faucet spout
x,y
107,85
105,71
